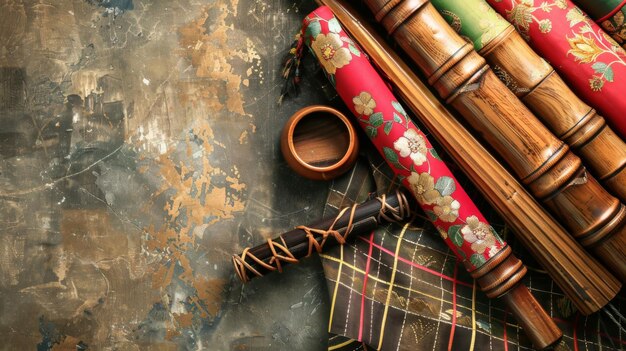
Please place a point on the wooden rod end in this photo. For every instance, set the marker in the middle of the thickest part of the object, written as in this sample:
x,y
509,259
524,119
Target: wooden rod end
x,y
500,274
537,324
500,277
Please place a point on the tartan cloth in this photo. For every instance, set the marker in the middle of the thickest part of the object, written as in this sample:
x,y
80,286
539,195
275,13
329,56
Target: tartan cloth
x,y
400,288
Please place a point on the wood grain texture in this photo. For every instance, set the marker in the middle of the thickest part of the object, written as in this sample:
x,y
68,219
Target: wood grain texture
x,y
543,91
532,317
521,302
542,162
583,280
319,142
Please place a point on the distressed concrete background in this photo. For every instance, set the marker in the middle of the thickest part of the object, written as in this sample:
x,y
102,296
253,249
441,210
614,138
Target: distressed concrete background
x,y
138,151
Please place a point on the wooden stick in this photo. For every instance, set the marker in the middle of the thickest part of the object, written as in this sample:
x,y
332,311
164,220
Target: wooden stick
x,y
491,262
543,91
582,279
542,162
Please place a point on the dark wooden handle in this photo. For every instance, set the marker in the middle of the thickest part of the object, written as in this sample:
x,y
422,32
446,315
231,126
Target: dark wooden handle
x,y
295,244
541,161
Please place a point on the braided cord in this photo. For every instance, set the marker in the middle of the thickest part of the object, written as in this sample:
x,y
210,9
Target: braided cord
x,y
281,253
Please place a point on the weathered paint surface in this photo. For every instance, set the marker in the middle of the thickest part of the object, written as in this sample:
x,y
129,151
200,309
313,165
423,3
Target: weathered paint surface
x,y
138,151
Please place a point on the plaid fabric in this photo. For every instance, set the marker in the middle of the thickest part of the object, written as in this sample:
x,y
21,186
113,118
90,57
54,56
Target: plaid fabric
x,y
400,288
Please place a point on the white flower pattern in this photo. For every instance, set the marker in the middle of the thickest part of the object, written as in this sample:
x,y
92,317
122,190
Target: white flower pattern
x,y
412,144
447,208
423,187
478,234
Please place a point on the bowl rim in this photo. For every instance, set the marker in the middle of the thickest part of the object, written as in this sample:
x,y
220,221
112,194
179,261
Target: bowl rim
x,y
305,111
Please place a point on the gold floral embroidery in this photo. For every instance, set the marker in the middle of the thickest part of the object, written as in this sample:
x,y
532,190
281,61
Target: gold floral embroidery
x,y
614,45
596,83
447,208
423,187
490,29
364,104
588,45
478,234
493,251
583,48
329,48
586,28
412,144
521,15
575,16
545,26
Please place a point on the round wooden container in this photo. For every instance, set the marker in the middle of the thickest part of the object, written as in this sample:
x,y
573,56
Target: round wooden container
x,y
319,143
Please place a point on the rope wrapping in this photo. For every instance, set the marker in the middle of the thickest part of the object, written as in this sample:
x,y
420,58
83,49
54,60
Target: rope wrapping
x,y
316,238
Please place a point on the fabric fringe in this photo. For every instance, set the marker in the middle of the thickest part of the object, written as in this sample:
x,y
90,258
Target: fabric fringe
x,y
291,71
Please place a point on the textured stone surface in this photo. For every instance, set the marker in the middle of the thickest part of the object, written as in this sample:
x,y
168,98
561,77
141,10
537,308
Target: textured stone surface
x,y
138,151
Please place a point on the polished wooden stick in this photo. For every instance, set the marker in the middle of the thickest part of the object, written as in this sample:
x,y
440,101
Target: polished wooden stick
x,y
542,90
569,118
581,278
491,262
542,162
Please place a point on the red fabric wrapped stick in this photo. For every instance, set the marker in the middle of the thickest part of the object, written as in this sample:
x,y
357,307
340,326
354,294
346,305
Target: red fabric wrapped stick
x,y
583,54
405,147
411,156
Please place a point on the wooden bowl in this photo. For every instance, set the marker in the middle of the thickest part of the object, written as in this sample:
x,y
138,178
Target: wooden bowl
x,y
319,143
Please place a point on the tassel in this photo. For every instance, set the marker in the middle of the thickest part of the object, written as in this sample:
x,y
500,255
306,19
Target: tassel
x,y
292,73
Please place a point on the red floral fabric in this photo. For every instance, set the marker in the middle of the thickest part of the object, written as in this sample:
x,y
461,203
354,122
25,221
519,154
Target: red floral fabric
x,y
405,147
585,56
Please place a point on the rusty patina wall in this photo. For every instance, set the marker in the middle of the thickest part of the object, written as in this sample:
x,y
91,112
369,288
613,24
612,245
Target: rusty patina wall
x,y
138,151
